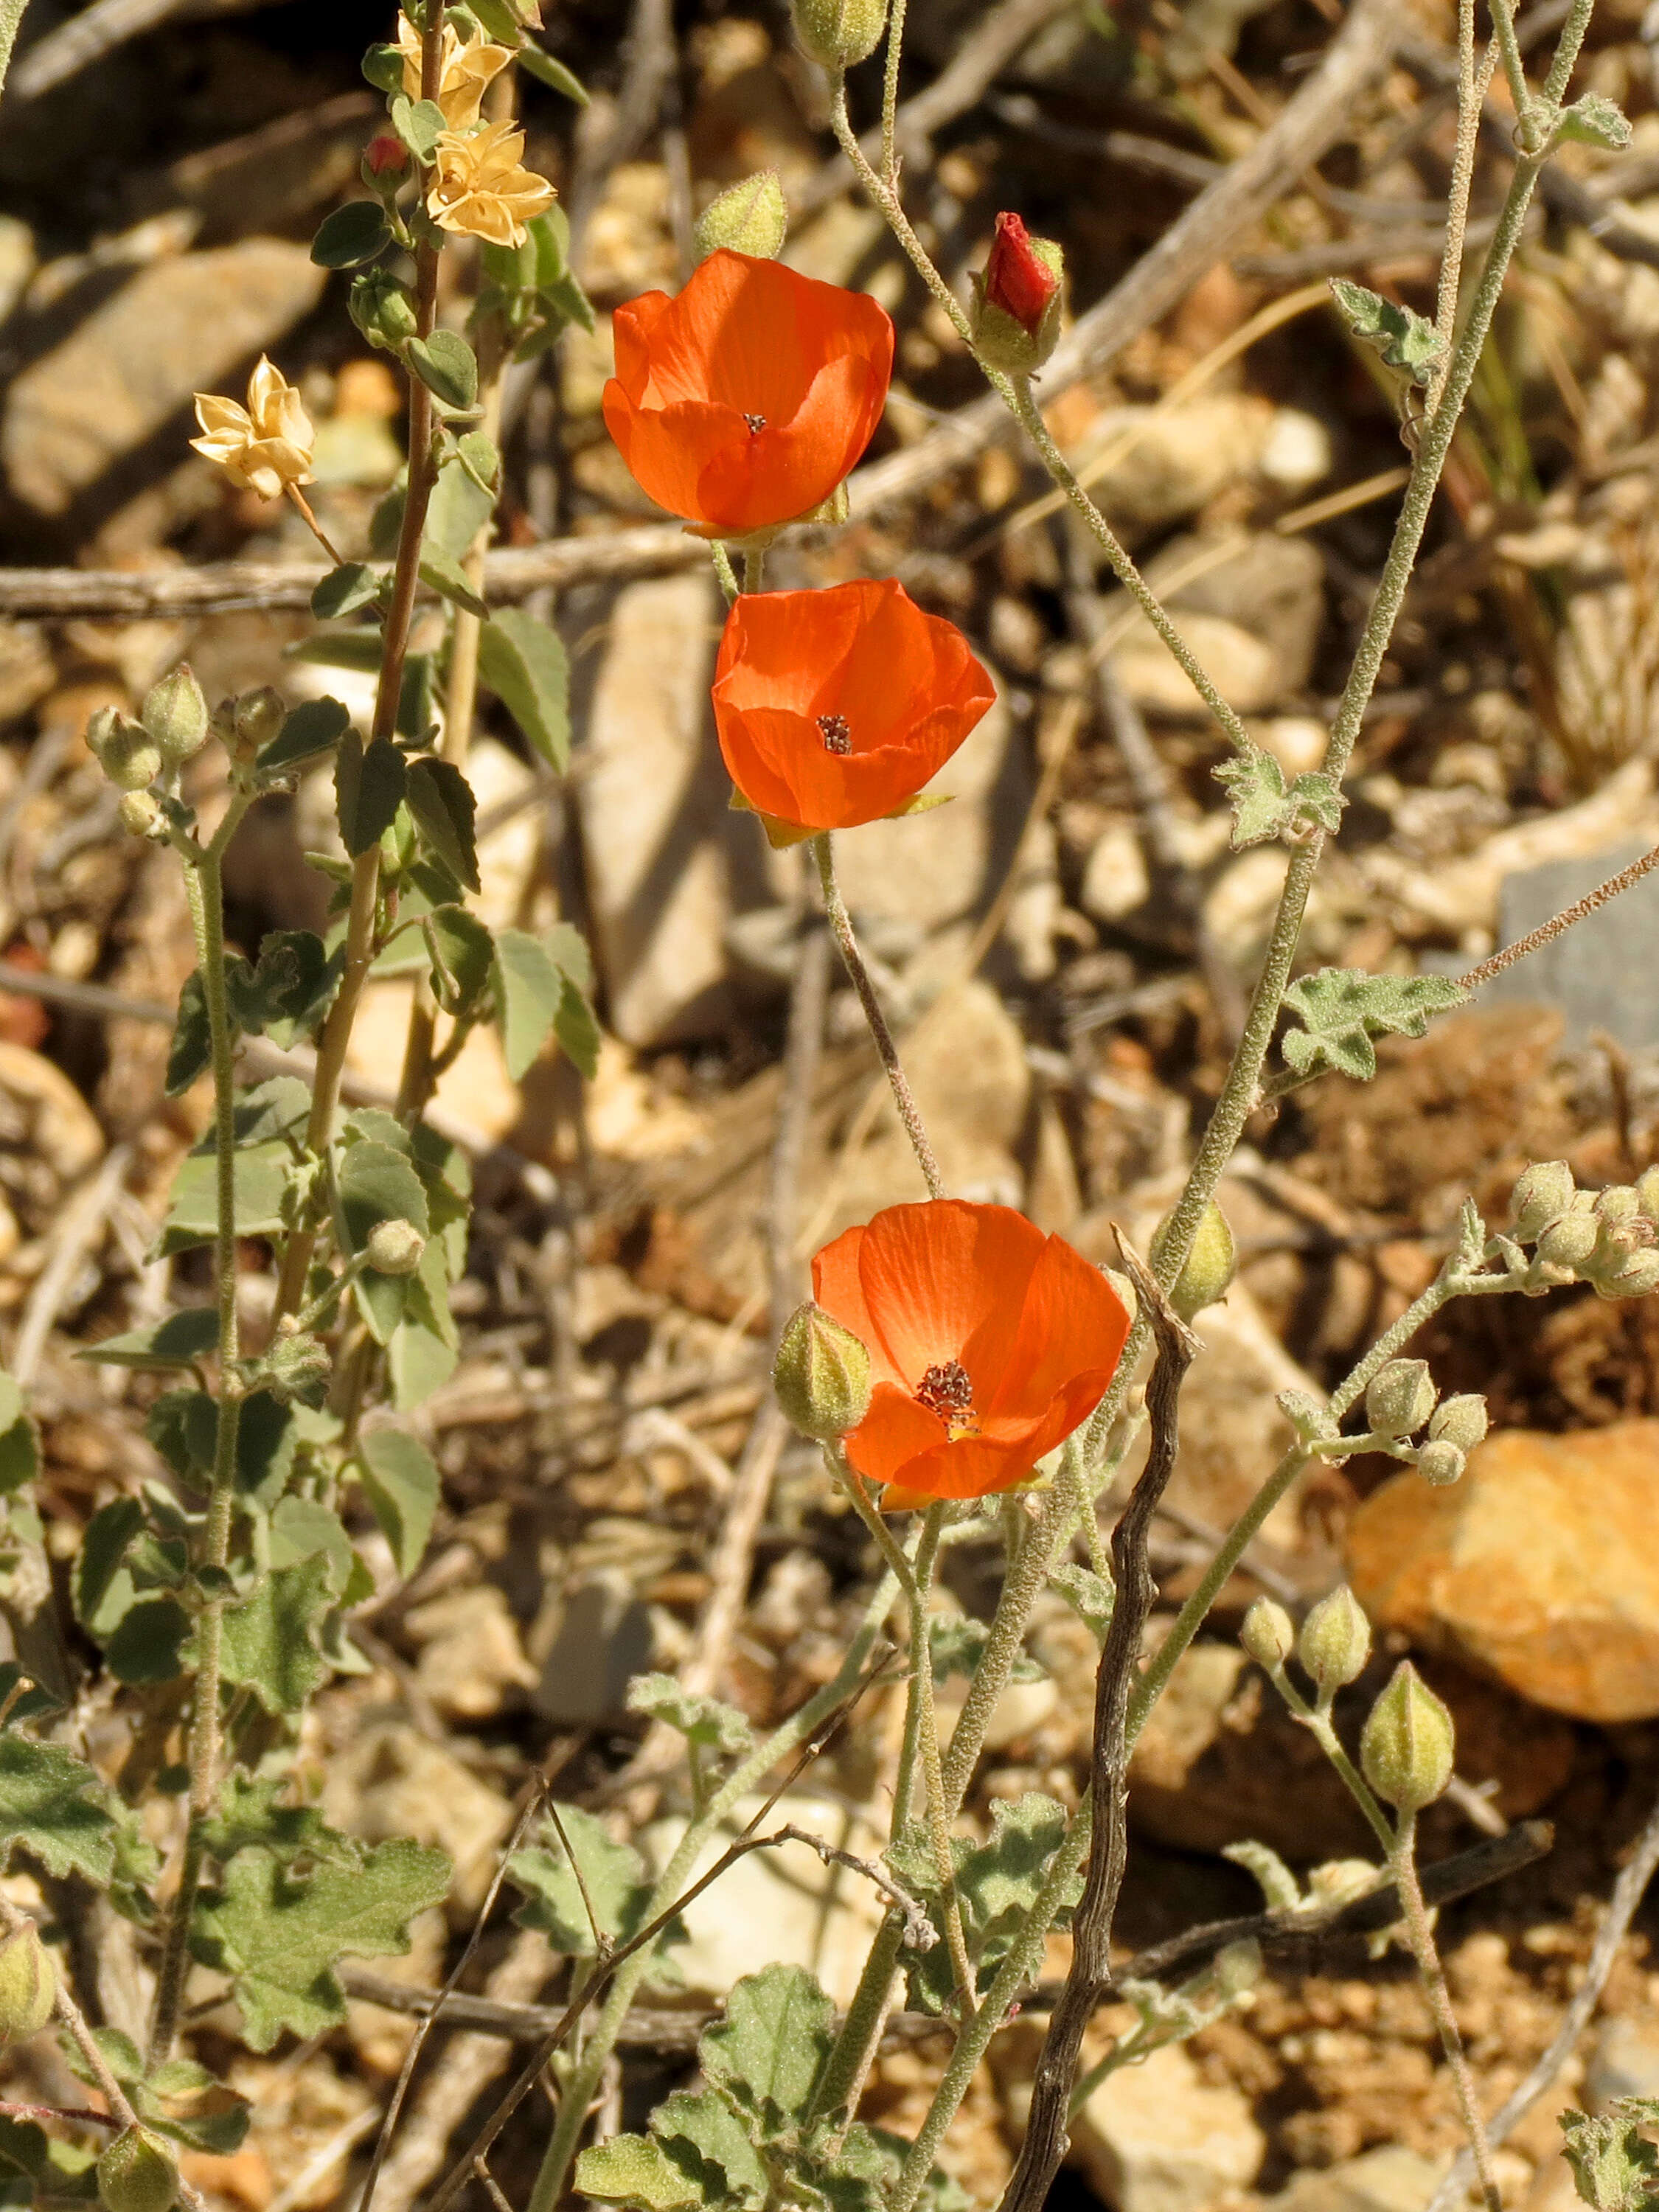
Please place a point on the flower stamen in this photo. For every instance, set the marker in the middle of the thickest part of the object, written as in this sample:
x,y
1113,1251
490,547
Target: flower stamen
x,y
756,422
837,737
948,1391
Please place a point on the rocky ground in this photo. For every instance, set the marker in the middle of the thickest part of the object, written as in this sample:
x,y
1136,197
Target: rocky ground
x,y
1066,944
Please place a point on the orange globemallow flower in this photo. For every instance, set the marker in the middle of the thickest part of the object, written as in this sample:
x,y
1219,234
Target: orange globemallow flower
x,y
835,707
745,399
988,1343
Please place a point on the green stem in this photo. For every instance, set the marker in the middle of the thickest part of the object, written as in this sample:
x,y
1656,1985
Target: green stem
x,y
1023,1578
841,926
725,573
1528,134
855,2045
1402,1864
754,567
889,91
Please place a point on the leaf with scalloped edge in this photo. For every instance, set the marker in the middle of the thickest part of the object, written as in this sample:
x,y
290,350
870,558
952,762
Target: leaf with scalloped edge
x,y
50,1807
1406,340
1342,1010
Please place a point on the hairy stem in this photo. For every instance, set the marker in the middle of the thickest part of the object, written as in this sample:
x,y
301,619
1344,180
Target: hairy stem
x,y
1402,1865
842,926
890,92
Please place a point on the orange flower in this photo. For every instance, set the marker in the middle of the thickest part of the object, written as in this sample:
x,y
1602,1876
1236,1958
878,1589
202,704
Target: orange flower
x,y
836,707
743,401
988,1341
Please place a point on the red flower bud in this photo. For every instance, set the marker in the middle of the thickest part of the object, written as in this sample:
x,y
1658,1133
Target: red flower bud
x,y
1016,279
385,154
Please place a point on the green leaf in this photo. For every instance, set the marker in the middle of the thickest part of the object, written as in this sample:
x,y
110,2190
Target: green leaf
x,y
369,789
523,662
446,366
305,1529
998,1882
420,1359
441,800
460,506
25,1704
49,2170
462,952
374,1184
697,2145
189,1054
354,234
180,1340
291,986
634,2169
146,1644
279,1936
278,1107
1090,1595
342,592
540,64
192,1216
52,1807
20,1448
959,1645
267,1438
766,2054
359,650
268,1641
104,1549
530,991
479,456
1342,1009
577,1029
400,1481
419,124
613,1875
1594,120
567,948
703,1721
1615,2167
443,573
1263,807
1406,340
250,1817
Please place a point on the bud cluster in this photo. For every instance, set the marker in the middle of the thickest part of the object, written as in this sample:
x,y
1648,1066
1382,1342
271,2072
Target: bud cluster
x,y
1334,1644
1609,1238
172,727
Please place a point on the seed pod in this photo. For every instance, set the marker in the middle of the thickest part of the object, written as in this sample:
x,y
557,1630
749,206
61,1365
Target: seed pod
x,y
1237,1967
382,309
28,1985
394,1248
1408,1743
1268,1634
1336,1641
257,717
1461,1421
1541,1193
129,755
1210,1265
821,1374
1441,1461
751,216
100,723
1569,1241
1638,1278
1619,1201
1400,1398
136,2173
839,33
176,715
139,812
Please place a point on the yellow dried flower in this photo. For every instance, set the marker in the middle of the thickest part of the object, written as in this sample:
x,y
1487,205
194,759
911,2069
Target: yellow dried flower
x,y
466,68
479,188
264,446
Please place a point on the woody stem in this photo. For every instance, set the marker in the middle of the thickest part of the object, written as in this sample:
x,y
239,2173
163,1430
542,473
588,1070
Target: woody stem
x,y
842,926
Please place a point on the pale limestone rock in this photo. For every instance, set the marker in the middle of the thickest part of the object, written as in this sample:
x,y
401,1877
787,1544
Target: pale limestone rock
x,y
390,1781
471,1659
1157,2138
64,1129
1390,2179
1115,881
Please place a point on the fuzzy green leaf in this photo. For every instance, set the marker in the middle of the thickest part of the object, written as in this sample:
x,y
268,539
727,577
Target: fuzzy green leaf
x,y
766,2054
269,1640
440,572
250,1818
1342,1009
352,235
1264,807
180,1340
419,124
540,64
612,1875
441,800
20,1448
463,955
530,991
705,2138
400,1481
1615,2167
369,789
1594,120
279,1936
314,726
1090,1595
353,584
637,2171
958,1644
50,1807
375,1184
523,662
146,1644
460,506
104,1548
445,364
1406,340
703,1721
192,1216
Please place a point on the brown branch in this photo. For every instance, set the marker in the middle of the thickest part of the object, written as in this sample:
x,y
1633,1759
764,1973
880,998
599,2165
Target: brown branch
x,y
1046,2130
1559,924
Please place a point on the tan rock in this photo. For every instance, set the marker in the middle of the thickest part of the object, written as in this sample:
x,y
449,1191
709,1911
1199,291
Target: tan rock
x,y
1155,2137
1390,2179
185,324
1541,1566
64,1129
390,1781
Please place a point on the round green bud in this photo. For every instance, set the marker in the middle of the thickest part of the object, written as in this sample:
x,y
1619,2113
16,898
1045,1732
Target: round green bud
x,y
1461,1421
1268,1634
256,718
136,2173
1399,1398
28,1985
1619,1201
102,724
140,813
1568,1240
1541,1193
176,715
1336,1641
751,216
1237,1967
394,1248
1210,1267
1441,1461
821,1374
839,33
1647,1190
129,755
382,310
1408,1743
1638,1278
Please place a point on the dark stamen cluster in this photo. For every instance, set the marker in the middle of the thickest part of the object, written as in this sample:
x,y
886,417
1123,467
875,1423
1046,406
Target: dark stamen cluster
x,y
836,735
756,421
947,1391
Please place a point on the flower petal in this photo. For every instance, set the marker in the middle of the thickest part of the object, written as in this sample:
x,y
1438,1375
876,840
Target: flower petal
x,y
668,448
941,1281
839,1289
893,1434
1072,1325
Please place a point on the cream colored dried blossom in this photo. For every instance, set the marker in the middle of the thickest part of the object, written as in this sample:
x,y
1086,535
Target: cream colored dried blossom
x,y
478,187
264,446
466,67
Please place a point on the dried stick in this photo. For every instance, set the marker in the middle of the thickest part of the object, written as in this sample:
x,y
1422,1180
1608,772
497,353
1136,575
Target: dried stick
x,y
1046,2130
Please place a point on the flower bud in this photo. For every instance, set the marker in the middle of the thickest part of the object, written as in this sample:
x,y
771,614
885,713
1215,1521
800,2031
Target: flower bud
x,y
1336,1641
1541,1193
1569,1241
176,715
140,811
1210,1265
129,755
1461,1421
1621,1201
1647,1190
839,33
1407,1747
385,156
750,217
1441,1461
1268,1634
821,1374
102,724
1400,1398
1016,300
256,718
28,1985
136,2173
1236,1968
1637,1278
394,1248
297,1364
382,309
